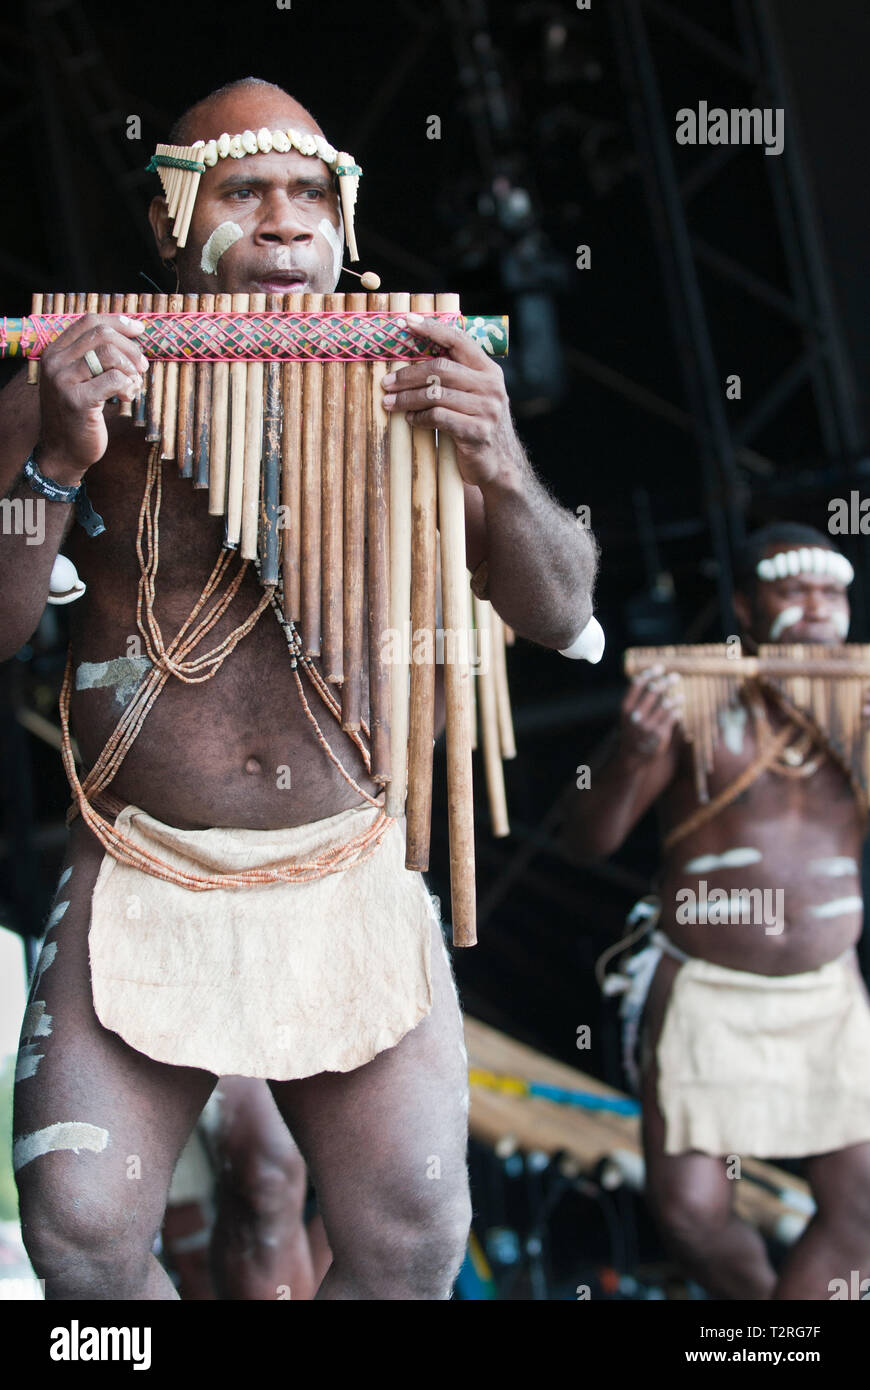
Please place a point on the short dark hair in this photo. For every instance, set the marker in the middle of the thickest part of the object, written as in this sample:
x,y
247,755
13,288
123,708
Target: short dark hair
x,y
787,533
179,134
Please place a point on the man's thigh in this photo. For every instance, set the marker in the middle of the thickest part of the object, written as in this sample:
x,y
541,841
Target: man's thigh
x,y
395,1129
679,1186
98,1126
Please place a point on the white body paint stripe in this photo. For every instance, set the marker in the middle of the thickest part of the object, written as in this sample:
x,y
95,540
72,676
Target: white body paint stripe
x,y
731,859
837,907
64,877
67,1135
835,867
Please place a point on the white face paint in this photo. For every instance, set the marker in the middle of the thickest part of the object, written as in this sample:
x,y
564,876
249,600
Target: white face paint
x,y
731,859
221,239
789,617
335,241
840,624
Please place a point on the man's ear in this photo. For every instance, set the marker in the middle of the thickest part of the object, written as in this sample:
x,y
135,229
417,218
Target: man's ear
x,y
158,216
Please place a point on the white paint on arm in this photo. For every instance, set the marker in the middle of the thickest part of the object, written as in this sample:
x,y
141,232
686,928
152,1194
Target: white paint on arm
x,y
222,238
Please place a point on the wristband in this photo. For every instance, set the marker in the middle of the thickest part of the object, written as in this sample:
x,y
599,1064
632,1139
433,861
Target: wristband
x,y
89,519
47,487
589,645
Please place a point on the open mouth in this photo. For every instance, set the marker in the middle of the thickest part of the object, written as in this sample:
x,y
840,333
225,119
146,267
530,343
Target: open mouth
x,y
282,282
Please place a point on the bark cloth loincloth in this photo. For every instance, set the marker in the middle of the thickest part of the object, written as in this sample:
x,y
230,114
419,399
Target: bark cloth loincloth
x,y
773,1066
277,980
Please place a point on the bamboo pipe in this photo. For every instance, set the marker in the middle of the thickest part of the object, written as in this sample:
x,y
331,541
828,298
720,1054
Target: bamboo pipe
x,y
457,680
400,591
332,510
312,427
378,559
422,710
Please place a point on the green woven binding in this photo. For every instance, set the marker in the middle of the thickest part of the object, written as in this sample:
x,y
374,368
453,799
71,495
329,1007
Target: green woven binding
x,y
169,161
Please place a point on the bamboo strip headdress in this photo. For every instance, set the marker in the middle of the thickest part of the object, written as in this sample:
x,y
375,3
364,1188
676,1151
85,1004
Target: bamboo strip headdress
x,y
180,168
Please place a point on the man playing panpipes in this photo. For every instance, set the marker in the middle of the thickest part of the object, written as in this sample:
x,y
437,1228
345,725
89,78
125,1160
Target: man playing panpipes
x,y
755,1034
368,1066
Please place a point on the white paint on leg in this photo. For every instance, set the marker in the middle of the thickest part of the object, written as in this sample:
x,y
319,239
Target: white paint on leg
x,y
730,859
56,915
838,866
67,1135
837,907
46,958
788,617
28,1062
222,238
36,1023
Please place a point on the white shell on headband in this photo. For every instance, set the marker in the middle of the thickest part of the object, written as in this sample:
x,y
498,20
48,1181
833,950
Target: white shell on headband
x,y
223,145
806,560
249,142
210,154
237,148
280,141
264,140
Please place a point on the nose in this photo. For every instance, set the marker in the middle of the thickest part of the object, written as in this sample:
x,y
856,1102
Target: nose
x,y
282,220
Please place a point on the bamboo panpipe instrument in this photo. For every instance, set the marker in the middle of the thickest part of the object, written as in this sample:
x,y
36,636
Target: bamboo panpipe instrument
x,y
828,684
274,407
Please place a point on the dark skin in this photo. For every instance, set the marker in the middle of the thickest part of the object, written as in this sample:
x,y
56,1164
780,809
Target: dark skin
x,y
207,756
792,823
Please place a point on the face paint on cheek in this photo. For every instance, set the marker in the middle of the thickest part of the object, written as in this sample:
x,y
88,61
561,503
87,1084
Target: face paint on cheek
x,y
789,617
840,624
221,239
336,244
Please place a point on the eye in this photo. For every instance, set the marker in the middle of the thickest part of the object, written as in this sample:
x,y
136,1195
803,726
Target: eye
x,y
242,194
315,194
